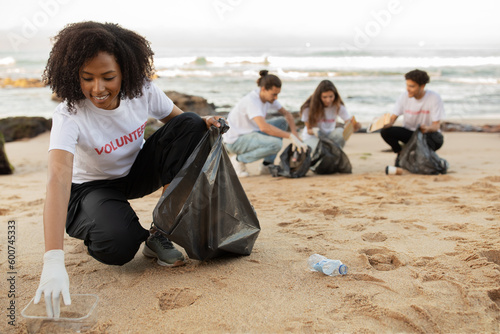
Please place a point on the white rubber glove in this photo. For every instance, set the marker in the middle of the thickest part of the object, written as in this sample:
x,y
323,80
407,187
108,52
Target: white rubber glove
x,y
316,132
297,144
53,282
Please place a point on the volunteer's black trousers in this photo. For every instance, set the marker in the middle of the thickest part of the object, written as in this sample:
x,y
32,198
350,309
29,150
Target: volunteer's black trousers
x,y
395,134
99,212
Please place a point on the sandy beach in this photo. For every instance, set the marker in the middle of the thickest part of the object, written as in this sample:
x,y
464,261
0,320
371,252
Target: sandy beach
x,y
423,252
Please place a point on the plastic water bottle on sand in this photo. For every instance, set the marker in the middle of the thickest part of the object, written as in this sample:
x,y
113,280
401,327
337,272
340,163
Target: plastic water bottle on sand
x,y
326,266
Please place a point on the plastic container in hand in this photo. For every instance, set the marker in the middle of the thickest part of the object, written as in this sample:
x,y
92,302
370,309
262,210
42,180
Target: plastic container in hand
x,y
326,266
78,317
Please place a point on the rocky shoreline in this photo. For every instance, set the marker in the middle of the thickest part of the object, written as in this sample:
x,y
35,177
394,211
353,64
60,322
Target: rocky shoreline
x,y
18,128
21,83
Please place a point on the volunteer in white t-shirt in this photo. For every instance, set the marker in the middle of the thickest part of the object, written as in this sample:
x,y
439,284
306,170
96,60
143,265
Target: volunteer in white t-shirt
x,y
98,158
419,107
250,136
319,114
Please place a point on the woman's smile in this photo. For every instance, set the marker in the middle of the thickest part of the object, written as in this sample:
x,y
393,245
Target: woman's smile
x,y
100,81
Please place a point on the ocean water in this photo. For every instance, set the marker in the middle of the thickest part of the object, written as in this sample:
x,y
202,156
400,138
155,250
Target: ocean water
x,y
368,81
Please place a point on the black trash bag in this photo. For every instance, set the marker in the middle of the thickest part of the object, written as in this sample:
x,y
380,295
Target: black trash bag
x,y
292,163
417,157
205,209
329,158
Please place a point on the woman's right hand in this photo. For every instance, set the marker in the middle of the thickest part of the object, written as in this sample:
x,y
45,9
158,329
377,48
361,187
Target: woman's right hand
x,y
313,131
53,282
297,144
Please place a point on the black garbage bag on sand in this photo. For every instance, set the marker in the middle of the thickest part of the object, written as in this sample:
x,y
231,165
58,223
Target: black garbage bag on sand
x,y
292,163
205,209
329,158
417,157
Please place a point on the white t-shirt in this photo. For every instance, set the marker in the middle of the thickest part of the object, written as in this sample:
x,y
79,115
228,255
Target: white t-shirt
x,y
240,119
327,124
424,111
105,143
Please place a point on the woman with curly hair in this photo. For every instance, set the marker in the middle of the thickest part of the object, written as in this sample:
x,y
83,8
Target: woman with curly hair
x,y
319,114
98,158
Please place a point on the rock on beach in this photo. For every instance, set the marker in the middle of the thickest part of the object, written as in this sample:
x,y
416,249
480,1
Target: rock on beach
x,y
5,166
15,128
191,103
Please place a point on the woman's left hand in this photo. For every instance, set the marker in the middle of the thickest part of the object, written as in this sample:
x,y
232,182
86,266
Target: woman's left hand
x,y
212,120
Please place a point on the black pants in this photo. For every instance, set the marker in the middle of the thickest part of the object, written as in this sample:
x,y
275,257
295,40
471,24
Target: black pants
x,y
99,212
396,134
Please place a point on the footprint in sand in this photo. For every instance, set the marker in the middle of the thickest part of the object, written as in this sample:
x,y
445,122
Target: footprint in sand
x,y
495,296
362,305
483,187
358,227
453,227
307,207
296,222
383,259
492,256
494,178
177,298
374,237
452,199
331,212
219,281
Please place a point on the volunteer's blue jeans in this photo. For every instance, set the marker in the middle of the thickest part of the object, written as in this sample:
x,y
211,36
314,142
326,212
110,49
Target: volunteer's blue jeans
x,y
257,145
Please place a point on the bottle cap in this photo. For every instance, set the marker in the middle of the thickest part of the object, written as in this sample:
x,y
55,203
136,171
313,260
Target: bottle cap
x,y
343,269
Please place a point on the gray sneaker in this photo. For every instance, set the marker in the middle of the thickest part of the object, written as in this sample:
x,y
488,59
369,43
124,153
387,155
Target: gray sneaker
x,y
159,247
264,169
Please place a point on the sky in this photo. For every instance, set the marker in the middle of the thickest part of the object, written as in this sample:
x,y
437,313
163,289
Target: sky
x,y
28,24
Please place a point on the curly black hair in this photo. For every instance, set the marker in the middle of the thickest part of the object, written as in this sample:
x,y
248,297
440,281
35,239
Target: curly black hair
x,y
78,43
420,77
